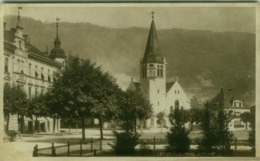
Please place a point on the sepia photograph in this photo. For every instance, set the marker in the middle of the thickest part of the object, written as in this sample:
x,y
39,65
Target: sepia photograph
x,y
129,80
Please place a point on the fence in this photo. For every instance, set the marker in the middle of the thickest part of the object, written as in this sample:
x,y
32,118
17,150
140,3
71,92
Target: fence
x,y
92,147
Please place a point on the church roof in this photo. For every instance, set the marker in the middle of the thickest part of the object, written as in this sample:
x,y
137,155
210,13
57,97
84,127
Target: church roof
x,y
152,51
134,86
169,85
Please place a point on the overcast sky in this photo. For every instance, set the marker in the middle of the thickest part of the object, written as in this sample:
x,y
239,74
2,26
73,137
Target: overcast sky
x,y
167,16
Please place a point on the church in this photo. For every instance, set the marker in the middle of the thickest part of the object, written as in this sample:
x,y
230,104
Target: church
x,y
163,96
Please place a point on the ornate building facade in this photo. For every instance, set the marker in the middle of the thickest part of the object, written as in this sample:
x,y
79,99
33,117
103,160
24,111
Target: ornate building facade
x,y
31,69
163,96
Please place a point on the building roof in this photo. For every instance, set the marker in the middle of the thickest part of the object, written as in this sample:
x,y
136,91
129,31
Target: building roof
x,y
152,51
33,52
9,35
57,51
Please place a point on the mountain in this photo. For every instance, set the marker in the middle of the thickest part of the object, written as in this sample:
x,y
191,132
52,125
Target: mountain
x,y
204,61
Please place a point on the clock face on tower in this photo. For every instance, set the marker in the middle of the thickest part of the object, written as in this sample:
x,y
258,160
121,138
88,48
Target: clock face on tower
x,y
151,73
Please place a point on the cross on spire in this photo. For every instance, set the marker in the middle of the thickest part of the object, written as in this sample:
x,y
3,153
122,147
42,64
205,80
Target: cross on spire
x,y
152,14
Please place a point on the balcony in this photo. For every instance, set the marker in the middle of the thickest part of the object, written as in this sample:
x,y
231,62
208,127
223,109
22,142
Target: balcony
x,y
21,78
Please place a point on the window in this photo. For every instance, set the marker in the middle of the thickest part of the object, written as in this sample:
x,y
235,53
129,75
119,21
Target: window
x,y
42,75
6,65
36,72
36,92
158,103
30,92
30,68
151,65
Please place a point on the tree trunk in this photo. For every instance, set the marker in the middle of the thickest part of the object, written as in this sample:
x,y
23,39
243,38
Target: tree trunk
x,y
54,123
76,125
22,123
69,126
101,127
7,122
135,125
83,127
36,125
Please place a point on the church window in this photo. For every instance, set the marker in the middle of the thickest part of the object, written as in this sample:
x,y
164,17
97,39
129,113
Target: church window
x,y
177,104
158,91
158,73
158,103
6,65
161,72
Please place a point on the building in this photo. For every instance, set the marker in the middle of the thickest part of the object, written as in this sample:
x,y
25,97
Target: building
x,y
232,107
32,69
236,110
164,96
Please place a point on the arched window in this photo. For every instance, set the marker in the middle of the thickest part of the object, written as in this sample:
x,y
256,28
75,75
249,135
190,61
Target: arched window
x,y
177,104
6,65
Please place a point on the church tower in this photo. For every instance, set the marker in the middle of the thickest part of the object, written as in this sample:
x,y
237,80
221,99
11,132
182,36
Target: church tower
x,y
153,74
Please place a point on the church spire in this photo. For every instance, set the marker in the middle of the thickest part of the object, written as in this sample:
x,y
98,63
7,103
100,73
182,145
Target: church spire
x,y
152,51
19,23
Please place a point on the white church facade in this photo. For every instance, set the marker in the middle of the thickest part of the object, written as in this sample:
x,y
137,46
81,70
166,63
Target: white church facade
x,y
163,96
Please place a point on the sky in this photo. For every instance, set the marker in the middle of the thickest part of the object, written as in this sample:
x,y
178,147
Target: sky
x,y
220,19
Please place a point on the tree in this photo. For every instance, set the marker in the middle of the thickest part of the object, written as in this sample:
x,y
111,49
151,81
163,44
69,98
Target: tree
x,y
160,119
15,102
245,117
178,140
104,91
207,143
251,138
38,108
196,111
132,105
224,135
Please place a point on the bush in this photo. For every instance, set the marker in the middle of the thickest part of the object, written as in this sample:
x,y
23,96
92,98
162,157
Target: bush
x,y
125,143
178,140
145,149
